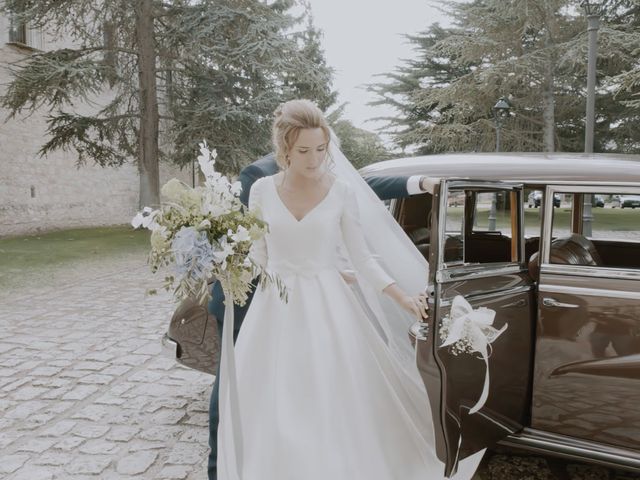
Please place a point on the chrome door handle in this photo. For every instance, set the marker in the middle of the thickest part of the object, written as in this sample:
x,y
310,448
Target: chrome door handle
x,y
518,303
552,302
420,330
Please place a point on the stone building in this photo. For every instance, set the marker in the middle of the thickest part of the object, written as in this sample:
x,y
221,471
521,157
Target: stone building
x,y
47,193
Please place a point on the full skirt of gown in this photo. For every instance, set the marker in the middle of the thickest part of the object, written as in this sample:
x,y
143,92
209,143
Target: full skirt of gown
x,y
318,391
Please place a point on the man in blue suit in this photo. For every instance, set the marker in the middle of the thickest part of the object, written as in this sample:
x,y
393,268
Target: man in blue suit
x,y
385,187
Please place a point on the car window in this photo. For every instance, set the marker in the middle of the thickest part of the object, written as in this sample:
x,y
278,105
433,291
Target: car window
x,y
490,230
610,233
562,218
492,212
454,221
615,217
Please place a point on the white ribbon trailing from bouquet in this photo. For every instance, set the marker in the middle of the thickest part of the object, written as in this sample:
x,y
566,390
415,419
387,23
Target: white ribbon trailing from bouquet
x,y
229,398
470,330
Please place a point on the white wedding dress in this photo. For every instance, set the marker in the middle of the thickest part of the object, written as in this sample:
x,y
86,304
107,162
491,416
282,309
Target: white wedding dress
x,y
319,395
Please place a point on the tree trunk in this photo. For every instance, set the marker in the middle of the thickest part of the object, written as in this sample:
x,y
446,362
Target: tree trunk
x,y
148,167
548,111
548,97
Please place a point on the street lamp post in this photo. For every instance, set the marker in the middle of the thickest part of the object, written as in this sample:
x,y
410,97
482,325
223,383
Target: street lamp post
x,y
592,10
500,113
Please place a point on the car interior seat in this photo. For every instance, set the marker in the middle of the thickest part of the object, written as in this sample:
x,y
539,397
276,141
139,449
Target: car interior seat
x,y
572,250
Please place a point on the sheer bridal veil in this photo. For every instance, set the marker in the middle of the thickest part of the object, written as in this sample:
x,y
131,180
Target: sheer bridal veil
x,y
401,259
397,254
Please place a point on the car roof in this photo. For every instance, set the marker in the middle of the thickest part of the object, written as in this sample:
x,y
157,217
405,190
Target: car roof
x,y
531,168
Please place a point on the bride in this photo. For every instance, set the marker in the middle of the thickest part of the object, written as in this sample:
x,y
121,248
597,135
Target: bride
x,y
324,386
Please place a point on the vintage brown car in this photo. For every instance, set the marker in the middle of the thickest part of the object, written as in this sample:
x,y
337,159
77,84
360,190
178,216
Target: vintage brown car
x,y
565,376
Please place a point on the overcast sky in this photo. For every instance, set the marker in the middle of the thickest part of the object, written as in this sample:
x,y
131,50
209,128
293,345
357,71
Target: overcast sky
x,y
363,38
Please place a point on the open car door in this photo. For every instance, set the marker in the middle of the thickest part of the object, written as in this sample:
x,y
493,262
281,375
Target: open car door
x,y
477,249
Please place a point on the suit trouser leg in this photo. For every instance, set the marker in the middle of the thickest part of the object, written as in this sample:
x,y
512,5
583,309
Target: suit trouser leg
x,y
214,417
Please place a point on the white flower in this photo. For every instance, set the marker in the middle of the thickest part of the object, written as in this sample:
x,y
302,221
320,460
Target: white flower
x,y
205,224
205,154
242,235
145,218
225,250
236,188
174,190
211,205
207,161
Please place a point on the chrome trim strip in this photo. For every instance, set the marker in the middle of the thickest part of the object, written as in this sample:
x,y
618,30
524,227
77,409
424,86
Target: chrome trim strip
x,y
442,223
593,189
589,292
507,185
169,347
590,271
589,184
573,448
521,226
547,219
490,295
469,272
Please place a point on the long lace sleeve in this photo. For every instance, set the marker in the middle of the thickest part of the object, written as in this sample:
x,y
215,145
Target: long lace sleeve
x,y
258,249
362,258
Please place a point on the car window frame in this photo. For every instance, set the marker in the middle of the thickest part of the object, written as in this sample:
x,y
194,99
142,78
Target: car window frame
x,y
547,232
446,272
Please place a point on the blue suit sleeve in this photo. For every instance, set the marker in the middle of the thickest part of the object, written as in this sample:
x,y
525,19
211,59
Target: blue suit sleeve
x,y
389,187
247,177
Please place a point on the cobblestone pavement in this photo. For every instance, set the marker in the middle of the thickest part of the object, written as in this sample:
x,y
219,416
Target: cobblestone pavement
x,y
84,389
86,394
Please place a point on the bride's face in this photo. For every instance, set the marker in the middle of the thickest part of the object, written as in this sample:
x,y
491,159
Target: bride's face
x,y
308,156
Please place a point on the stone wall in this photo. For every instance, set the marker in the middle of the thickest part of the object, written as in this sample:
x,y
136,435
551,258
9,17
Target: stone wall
x,y
47,193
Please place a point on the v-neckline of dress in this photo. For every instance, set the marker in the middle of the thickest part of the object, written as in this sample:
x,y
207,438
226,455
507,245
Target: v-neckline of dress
x,y
311,210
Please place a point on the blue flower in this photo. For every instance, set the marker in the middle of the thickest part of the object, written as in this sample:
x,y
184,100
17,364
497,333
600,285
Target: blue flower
x,y
193,254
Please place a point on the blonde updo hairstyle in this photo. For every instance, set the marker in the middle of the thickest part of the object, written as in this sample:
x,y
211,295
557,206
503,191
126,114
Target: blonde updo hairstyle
x,y
290,118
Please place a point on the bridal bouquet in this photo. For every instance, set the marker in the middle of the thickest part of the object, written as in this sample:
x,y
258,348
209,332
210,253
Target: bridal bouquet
x,y
205,232
469,330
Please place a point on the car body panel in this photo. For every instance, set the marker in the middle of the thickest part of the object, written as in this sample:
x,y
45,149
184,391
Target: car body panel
x,y
533,168
608,431
587,376
587,369
455,382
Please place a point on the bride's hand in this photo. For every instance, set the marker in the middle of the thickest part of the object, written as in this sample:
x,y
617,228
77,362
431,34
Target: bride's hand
x,y
348,277
416,305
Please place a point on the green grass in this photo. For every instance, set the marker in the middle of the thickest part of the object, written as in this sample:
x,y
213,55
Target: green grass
x,y
604,219
28,254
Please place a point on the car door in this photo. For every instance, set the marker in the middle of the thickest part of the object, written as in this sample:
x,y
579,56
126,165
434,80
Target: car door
x,y
474,221
587,373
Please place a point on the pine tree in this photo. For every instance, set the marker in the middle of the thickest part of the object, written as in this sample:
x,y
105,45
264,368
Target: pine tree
x,y
402,87
179,71
533,52
623,81
318,85
232,72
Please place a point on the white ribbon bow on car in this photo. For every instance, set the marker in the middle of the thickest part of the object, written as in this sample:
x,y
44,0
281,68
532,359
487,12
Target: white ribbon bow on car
x,y
474,330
